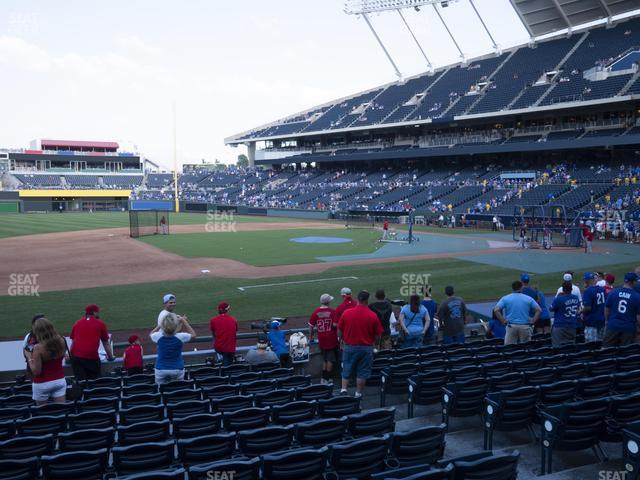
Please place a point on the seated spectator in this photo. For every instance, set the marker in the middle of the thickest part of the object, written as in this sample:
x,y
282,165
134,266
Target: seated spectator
x,y
224,329
279,343
45,363
494,328
132,357
261,353
169,362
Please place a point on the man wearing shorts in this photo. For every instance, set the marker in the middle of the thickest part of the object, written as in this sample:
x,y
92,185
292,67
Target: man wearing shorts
x,y
359,329
324,321
86,335
514,311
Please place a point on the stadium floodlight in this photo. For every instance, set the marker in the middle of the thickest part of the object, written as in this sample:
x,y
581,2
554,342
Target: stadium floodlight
x,y
359,7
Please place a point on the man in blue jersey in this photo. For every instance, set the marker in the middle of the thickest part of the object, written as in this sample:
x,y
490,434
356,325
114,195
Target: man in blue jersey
x,y
526,289
565,308
637,285
593,301
622,313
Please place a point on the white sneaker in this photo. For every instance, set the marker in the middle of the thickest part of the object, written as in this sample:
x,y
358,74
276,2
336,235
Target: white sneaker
x,y
358,395
323,381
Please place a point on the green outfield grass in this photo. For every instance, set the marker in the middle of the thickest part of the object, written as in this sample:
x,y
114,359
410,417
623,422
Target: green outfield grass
x,y
15,224
264,248
137,306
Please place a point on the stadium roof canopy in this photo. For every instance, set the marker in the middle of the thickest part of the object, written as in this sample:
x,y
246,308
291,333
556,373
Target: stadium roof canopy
x,y
541,17
77,144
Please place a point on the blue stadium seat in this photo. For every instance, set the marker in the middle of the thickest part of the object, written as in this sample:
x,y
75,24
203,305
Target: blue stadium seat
x,y
359,458
317,433
196,425
206,448
25,469
274,397
293,412
245,419
90,439
143,457
424,445
243,468
143,432
376,421
253,443
338,406
296,464
75,465
25,447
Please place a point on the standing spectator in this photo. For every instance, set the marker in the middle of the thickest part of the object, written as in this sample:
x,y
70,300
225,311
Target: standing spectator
x,y
609,279
414,320
163,225
526,289
383,309
494,222
169,302
451,315
522,240
325,322
593,308
565,308
575,289
279,343
622,313
132,358
385,229
515,312
261,353
86,335
45,363
224,329
347,302
169,362
637,285
30,342
543,324
587,236
359,329
432,307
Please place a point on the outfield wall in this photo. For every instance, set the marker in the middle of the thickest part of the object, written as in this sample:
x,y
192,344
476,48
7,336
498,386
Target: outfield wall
x,y
196,207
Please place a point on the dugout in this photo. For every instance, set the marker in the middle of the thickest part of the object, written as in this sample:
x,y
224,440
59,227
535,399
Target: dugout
x,y
74,200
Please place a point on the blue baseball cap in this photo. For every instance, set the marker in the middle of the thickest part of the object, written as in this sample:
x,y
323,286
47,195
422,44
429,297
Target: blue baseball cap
x,y
589,276
274,324
630,277
524,278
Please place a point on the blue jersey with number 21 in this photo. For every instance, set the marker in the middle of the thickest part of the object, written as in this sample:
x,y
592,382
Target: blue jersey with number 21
x,y
594,297
624,305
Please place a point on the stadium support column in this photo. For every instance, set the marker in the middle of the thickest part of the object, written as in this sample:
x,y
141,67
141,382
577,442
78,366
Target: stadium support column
x,y
429,66
251,153
384,49
495,45
446,27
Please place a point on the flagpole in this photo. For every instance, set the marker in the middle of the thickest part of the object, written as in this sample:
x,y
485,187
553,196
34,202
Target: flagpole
x,y
175,161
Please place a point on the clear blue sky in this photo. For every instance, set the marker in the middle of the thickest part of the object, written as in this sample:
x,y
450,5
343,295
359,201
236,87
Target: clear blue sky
x,y
98,70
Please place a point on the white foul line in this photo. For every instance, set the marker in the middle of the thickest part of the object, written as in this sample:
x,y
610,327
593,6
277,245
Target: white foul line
x,y
242,289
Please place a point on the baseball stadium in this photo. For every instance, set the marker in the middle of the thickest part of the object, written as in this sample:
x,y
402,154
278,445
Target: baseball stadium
x,y
517,168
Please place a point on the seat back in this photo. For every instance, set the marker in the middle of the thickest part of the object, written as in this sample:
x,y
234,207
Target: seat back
x,y
314,392
376,421
359,458
512,409
154,431
138,389
196,425
176,396
426,387
53,409
277,373
220,391
265,440
496,369
26,447
294,465
174,474
26,469
624,410
143,413
338,406
594,387
502,466
540,376
626,382
258,386
177,385
464,398
101,392
140,379
580,424
629,363
423,445
206,448
274,397
294,381
92,420
508,381
75,465
293,412
231,404
142,457
573,371
606,366
188,407
395,377
92,439
42,425
321,432
557,393
141,399
211,381
98,404
245,419
466,373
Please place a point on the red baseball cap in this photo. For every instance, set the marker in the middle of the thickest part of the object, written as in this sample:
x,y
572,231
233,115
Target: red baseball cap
x,y
609,278
89,309
223,306
133,338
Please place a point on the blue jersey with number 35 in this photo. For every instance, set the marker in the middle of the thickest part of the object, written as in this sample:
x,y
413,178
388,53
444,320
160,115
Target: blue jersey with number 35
x,y
565,309
624,305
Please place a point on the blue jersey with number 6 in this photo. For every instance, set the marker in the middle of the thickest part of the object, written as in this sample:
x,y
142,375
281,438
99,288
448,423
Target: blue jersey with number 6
x,y
624,305
594,297
565,311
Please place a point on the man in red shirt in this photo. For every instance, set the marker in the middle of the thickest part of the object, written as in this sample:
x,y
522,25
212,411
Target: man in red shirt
x,y
347,302
224,329
359,328
385,229
325,322
86,335
587,234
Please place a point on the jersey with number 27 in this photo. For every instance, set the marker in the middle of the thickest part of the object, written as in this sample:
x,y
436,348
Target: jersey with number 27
x,y
624,306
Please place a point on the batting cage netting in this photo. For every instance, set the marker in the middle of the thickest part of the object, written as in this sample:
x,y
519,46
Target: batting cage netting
x,y
148,222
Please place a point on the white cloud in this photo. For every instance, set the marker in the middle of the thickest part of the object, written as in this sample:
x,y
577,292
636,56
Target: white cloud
x,y
136,44
16,52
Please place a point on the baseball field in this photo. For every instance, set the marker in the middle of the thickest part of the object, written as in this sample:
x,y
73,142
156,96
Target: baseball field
x,y
262,266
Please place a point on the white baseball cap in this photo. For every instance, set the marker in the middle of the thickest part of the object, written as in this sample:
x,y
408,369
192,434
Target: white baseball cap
x,y
345,291
567,277
325,299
